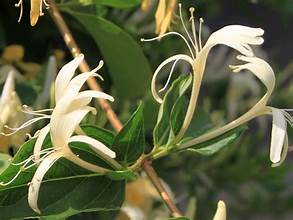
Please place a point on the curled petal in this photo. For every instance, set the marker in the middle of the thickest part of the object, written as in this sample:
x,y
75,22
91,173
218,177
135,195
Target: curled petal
x,y
39,142
34,186
260,68
77,82
170,59
238,37
221,211
65,75
279,131
84,98
96,145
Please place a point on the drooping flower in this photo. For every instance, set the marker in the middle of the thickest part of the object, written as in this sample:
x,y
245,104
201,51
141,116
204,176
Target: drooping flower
x,y
279,137
35,12
235,36
239,38
71,107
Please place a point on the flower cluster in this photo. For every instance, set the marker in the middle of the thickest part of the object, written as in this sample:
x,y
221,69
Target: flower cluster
x,y
239,38
71,107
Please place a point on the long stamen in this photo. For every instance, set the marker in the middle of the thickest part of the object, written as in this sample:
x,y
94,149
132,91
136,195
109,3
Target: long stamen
x,y
41,159
193,28
185,29
36,134
287,116
16,175
26,108
5,184
19,4
46,4
170,75
31,158
24,125
27,161
171,33
101,63
200,32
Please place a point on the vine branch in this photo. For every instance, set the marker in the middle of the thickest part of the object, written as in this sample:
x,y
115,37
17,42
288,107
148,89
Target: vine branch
x,y
112,117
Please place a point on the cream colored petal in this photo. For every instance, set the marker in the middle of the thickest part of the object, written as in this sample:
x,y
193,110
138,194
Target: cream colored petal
x,y
84,98
170,59
284,152
39,142
236,36
279,131
166,22
94,94
221,211
63,125
77,82
96,145
260,68
8,89
34,186
35,11
160,14
65,75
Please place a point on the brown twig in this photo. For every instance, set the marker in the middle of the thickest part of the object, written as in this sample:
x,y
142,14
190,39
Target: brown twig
x,y
161,189
115,122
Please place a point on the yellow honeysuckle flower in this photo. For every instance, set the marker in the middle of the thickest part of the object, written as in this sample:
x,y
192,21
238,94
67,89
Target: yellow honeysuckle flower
x,y
239,38
163,15
35,12
71,107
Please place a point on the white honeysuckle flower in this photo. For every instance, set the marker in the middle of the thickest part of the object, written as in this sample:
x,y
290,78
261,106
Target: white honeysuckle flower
x,y
10,114
36,10
64,83
238,37
71,107
221,213
279,139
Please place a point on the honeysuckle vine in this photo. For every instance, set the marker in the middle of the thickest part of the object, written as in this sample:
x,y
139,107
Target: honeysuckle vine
x,y
239,38
72,105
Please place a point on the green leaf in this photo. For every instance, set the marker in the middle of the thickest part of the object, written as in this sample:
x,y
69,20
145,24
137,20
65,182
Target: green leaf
x,y
118,3
122,175
129,144
128,67
214,145
66,190
167,116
